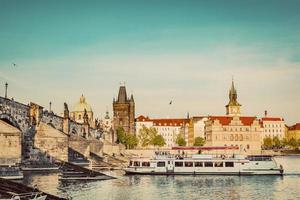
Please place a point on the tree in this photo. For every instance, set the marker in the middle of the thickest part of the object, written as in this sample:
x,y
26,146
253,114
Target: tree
x,y
180,140
146,136
293,143
199,141
159,141
276,142
131,141
121,135
268,143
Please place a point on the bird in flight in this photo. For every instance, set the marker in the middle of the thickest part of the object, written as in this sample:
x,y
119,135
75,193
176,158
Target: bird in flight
x,y
170,102
14,64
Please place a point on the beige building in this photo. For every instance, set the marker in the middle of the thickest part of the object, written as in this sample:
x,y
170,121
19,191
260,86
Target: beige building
x,y
10,144
272,127
243,132
196,128
293,132
233,129
168,128
79,108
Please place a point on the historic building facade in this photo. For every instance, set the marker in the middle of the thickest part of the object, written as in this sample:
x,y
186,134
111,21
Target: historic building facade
x,y
196,128
79,109
243,132
273,127
293,132
233,129
107,127
168,128
124,111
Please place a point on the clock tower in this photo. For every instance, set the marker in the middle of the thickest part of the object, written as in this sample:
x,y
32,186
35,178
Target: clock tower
x,y
233,107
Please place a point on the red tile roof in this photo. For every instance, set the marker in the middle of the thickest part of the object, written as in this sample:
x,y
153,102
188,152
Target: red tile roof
x,y
162,122
272,119
294,127
225,120
142,118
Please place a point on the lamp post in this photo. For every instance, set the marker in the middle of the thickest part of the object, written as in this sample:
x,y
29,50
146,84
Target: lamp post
x,y
6,85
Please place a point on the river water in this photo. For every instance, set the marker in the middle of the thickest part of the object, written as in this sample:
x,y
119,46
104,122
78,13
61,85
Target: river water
x,y
178,187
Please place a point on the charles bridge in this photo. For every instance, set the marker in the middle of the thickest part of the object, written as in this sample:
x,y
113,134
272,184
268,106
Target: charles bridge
x,y
47,136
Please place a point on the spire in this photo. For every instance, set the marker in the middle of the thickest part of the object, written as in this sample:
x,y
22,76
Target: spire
x,y
107,115
122,97
232,94
131,98
82,99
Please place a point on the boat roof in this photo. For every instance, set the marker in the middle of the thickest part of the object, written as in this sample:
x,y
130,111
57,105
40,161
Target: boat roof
x,y
208,148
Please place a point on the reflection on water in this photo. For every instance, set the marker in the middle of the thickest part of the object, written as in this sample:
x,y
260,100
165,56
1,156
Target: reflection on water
x,y
178,187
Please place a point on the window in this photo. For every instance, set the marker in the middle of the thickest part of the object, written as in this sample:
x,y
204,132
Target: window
x,y
146,164
161,164
198,164
136,163
178,164
79,117
248,146
229,164
188,164
208,164
218,164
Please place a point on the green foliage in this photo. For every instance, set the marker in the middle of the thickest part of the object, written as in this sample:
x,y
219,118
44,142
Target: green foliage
x,y
180,140
268,143
276,142
159,141
121,135
129,140
293,143
199,141
146,136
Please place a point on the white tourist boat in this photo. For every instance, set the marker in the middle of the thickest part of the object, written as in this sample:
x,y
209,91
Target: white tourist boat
x,y
200,164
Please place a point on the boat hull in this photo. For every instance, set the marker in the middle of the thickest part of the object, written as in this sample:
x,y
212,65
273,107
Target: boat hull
x,y
129,171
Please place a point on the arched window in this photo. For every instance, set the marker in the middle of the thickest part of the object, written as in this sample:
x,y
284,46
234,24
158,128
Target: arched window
x,y
241,137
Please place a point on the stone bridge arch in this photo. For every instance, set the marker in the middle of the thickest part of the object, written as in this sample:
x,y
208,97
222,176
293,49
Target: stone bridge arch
x,y
10,120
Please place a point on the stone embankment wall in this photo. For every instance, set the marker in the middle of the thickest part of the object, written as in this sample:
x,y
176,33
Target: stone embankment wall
x,y
10,144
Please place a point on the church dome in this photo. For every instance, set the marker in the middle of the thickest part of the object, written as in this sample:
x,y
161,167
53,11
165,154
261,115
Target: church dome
x,y
82,105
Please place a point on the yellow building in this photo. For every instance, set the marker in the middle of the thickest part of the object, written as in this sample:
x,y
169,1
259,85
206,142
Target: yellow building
x,y
242,132
293,132
234,130
77,113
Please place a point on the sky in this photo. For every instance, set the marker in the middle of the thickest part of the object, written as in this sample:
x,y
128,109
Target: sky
x,y
184,51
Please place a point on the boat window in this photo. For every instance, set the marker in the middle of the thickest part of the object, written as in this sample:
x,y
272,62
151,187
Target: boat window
x,y
198,164
188,164
218,164
161,164
136,163
229,164
208,164
145,164
178,164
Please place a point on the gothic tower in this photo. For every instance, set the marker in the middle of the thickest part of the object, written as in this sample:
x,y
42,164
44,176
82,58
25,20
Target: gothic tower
x,y
233,107
124,111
